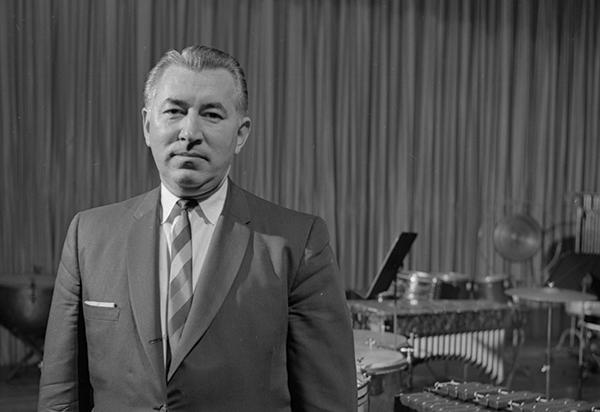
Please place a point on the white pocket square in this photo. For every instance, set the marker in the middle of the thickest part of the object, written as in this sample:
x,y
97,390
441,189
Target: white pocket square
x,y
100,304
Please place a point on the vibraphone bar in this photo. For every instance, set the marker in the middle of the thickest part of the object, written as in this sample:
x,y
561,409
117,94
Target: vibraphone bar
x,y
471,330
474,396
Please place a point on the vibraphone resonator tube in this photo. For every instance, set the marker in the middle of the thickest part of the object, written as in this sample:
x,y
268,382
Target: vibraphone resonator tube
x,y
456,396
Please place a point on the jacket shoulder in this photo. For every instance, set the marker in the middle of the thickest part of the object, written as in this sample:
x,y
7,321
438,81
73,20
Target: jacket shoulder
x,y
268,211
119,209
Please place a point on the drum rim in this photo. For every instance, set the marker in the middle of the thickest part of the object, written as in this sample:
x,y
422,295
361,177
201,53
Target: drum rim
x,y
453,276
417,275
493,278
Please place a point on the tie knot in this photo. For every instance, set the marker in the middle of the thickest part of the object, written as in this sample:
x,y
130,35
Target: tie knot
x,y
187,204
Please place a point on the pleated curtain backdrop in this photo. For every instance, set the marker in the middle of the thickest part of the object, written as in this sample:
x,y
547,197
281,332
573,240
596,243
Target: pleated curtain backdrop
x,y
382,116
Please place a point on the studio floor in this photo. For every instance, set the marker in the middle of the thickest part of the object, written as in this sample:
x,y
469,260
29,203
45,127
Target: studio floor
x,y
19,394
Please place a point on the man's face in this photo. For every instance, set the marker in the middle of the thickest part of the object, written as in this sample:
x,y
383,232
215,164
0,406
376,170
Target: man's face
x,y
194,129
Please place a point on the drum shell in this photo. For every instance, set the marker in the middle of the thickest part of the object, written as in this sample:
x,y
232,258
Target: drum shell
x,y
453,286
362,387
416,285
492,288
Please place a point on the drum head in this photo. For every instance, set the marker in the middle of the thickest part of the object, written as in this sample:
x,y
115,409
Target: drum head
x,y
374,353
376,361
385,340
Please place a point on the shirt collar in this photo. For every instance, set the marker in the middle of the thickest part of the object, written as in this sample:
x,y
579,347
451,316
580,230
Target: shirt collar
x,y
211,207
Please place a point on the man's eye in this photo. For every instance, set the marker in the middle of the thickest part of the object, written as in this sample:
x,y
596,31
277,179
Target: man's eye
x,y
213,115
173,111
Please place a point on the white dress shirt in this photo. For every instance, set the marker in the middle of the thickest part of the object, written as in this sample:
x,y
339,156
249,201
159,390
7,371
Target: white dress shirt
x,y
202,222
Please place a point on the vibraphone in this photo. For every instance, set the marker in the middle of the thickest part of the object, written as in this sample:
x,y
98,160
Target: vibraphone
x,y
471,330
474,396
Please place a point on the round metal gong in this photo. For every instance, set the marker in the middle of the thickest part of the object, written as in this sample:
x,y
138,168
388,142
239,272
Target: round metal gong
x,y
517,237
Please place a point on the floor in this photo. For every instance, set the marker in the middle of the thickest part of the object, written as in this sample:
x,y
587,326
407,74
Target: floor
x,y
19,394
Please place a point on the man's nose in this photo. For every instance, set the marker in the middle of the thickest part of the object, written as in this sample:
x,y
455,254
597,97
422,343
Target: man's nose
x,y
191,130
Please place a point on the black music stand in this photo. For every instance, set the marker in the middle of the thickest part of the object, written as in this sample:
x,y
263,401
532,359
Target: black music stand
x,y
388,270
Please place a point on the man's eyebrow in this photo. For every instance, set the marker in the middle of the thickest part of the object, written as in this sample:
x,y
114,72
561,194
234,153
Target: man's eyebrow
x,y
213,105
176,102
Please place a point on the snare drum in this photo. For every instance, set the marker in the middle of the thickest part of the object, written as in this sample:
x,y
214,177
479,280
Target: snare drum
x,y
453,285
415,285
492,288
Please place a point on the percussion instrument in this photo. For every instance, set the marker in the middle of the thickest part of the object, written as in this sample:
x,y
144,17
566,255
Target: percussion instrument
x,y
475,396
517,237
492,288
25,304
587,309
24,308
452,285
373,357
377,360
362,388
548,294
385,340
471,330
415,285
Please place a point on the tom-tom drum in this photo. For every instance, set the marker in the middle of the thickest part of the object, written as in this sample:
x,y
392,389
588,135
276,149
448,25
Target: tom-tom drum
x,y
493,287
452,285
416,285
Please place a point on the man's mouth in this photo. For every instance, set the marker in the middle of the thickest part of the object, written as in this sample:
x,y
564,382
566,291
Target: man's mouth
x,y
189,154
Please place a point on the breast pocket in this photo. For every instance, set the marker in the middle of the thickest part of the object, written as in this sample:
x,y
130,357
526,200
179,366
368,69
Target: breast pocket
x,y
100,313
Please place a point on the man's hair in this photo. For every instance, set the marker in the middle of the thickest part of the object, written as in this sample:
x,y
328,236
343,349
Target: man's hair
x,y
199,58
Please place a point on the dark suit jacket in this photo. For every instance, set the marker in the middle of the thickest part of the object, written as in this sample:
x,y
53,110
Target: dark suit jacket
x,y
268,329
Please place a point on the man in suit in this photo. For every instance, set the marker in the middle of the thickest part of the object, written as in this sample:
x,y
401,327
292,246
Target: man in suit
x,y
197,296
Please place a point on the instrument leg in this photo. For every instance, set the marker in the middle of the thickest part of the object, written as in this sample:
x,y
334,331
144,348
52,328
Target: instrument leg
x,y
547,366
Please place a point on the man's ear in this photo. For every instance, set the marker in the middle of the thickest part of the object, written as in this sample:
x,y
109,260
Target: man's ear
x,y
146,125
243,133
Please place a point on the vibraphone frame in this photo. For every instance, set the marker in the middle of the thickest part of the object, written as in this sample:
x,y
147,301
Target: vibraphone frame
x,y
471,330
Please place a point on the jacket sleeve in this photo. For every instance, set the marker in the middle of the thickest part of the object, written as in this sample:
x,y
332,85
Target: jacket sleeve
x,y
320,347
64,382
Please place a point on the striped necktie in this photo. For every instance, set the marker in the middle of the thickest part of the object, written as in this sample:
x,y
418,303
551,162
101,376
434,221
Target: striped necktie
x,y
180,276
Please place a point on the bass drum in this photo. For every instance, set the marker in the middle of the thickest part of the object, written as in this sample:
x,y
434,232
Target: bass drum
x,y
493,288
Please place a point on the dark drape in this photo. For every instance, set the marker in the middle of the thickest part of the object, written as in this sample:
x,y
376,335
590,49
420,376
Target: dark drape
x,y
439,117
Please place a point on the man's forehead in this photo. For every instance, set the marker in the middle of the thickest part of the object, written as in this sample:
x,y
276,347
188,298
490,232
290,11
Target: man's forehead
x,y
178,80
177,72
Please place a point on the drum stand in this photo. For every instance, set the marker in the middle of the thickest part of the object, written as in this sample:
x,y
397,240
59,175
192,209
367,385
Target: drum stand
x,y
549,295
35,350
547,366
405,350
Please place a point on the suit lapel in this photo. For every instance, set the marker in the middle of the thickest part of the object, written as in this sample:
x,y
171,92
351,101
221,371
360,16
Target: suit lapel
x,y
223,260
142,266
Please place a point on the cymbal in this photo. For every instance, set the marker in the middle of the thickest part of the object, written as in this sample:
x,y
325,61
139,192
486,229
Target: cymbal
x,y
550,294
517,237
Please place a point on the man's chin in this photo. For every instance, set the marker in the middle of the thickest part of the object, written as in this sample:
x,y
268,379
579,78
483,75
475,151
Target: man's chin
x,y
190,184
